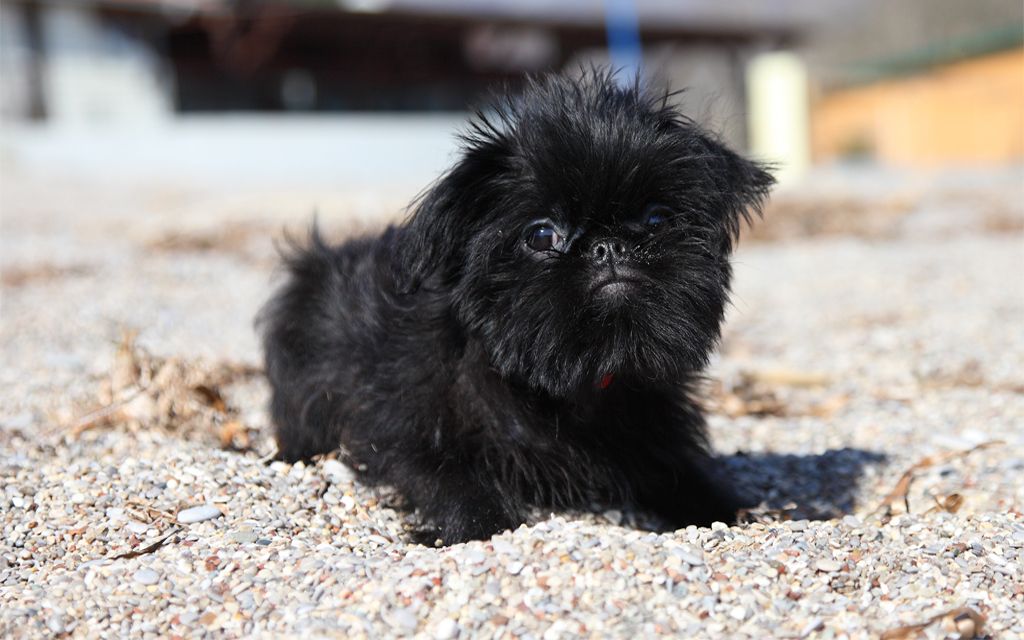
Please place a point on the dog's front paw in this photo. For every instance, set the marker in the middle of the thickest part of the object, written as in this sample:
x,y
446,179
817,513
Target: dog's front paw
x,y
426,536
462,524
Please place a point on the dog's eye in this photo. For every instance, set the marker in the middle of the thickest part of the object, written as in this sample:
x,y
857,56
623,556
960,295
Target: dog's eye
x,y
656,214
543,238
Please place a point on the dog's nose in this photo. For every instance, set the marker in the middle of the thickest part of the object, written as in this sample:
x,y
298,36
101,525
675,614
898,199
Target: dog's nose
x,y
608,250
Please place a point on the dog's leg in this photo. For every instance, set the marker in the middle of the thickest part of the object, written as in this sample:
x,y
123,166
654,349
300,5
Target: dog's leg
x,y
304,422
457,502
692,492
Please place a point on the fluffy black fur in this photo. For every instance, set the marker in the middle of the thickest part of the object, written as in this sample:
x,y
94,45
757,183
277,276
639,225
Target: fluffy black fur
x,y
481,376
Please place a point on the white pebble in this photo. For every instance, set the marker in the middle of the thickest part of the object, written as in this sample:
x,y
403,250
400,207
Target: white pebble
x,y
828,566
446,630
199,514
690,558
146,576
56,623
475,556
402,618
337,471
811,627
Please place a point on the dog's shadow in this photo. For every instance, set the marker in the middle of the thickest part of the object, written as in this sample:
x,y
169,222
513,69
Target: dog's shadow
x,y
804,487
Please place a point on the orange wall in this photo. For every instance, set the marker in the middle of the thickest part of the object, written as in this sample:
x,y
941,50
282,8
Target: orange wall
x,y
968,112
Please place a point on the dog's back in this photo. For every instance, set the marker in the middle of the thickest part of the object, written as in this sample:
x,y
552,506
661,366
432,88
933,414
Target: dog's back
x,y
317,331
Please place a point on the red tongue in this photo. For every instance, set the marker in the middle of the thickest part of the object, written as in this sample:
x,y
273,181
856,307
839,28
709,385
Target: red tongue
x,y
606,380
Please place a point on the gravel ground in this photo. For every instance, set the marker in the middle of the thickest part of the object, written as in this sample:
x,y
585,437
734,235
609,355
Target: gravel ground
x,y
137,499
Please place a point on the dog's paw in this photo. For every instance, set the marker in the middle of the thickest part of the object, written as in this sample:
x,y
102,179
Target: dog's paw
x,y
426,536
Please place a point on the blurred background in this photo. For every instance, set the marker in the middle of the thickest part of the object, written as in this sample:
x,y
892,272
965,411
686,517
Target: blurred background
x,y
362,92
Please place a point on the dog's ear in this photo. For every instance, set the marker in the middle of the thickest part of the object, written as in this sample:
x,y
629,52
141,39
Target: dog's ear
x,y
738,186
433,239
722,184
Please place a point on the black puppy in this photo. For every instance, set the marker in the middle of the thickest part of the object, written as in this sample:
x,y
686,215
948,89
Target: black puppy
x,y
532,335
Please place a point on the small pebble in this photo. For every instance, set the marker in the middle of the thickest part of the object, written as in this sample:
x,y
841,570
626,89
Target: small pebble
x,y
199,514
402,618
337,471
146,576
739,613
814,625
243,536
55,623
691,558
446,629
828,566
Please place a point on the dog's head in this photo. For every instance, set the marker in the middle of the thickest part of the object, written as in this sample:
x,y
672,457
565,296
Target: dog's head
x,y
585,233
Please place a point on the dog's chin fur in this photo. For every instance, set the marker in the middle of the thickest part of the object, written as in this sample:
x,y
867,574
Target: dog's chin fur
x,y
480,376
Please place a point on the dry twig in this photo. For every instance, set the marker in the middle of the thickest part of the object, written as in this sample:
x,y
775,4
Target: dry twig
x,y
146,391
901,492
134,553
102,415
963,621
